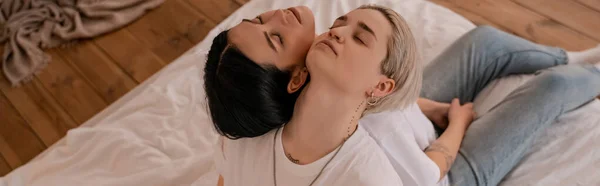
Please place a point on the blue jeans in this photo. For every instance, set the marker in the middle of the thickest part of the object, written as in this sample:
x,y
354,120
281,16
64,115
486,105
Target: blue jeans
x,y
498,140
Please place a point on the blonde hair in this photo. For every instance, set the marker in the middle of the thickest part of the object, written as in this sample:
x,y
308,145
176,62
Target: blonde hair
x,y
400,64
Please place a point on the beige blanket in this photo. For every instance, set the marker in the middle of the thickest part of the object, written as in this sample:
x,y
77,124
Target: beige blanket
x,y
28,26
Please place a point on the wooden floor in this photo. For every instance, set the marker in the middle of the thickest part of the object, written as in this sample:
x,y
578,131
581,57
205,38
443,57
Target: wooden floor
x,y
84,79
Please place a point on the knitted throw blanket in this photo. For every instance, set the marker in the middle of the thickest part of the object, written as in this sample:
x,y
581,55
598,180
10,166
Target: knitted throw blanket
x,y
28,26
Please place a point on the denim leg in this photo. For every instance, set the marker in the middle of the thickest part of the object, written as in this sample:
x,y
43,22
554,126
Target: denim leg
x,y
496,142
480,56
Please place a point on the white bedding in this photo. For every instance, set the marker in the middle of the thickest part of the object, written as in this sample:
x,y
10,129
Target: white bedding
x,y
159,133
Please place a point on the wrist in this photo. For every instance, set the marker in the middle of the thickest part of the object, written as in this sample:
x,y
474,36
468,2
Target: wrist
x,y
425,106
459,126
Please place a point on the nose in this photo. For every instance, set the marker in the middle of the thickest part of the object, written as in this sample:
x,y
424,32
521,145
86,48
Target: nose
x,y
279,15
335,34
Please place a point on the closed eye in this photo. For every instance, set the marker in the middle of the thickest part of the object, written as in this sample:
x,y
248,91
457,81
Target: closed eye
x,y
359,40
256,20
259,20
278,37
335,25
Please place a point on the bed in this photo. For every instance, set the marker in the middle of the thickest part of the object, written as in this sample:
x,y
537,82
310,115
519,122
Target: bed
x,y
159,133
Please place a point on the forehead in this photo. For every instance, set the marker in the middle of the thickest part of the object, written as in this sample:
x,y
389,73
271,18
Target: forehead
x,y
372,18
250,40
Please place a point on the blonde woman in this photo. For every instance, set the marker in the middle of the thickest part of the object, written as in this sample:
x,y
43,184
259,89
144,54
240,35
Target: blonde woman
x,y
366,64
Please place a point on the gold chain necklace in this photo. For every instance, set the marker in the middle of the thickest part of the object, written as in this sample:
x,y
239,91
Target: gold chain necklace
x,y
320,172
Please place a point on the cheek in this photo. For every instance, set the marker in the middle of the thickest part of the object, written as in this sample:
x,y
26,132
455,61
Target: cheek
x,y
360,65
299,43
357,59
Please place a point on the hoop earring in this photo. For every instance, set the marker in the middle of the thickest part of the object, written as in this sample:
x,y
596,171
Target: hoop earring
x,y
372,100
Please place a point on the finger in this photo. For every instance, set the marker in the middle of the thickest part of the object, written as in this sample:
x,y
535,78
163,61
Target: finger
x,y
469,105
455,102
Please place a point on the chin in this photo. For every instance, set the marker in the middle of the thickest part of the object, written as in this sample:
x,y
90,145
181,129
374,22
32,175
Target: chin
x,y
308,15
315,57
318,62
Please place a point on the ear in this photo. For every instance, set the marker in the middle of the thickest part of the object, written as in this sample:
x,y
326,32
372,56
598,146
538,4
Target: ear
x,y
298,79
384,87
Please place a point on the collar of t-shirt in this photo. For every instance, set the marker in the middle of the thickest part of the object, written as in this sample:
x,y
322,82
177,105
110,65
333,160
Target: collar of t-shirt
x,y
287,167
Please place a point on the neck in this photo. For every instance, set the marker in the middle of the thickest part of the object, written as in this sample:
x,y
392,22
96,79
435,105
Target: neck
x,y
321,122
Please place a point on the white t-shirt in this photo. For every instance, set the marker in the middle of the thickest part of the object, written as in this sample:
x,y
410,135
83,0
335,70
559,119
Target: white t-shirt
x,y
403,135
249,162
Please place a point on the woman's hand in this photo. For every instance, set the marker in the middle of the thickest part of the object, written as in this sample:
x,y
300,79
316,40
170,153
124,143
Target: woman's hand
x,y
435,111
443,151
461,115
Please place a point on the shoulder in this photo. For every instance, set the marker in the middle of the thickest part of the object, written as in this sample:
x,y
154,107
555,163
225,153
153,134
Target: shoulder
x,y
373,169
242,144
408,125
391,121
232,153
369,163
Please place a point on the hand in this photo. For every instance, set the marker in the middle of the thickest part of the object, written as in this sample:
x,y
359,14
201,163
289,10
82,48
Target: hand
x,y
461,115
435,111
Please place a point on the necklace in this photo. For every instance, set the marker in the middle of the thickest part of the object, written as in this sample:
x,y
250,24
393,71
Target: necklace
x,y
350,133
320,172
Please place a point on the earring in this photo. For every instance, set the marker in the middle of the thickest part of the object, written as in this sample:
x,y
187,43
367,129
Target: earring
x,y
372,100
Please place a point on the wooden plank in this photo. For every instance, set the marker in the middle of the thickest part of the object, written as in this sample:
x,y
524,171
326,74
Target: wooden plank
x,y
69,89
527,23
130,54
4,167
593,4
216,10
9,154
43,113
569,13
170,36
103,74
476,19
242,2
18,137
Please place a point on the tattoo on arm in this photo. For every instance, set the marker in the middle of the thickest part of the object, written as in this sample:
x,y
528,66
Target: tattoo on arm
x,y
438,147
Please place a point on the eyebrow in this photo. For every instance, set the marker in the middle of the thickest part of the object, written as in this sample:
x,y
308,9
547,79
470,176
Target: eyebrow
x,y
367,28
271,45
360,24
250,20
269,41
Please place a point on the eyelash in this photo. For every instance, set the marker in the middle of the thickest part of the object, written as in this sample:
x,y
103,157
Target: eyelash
x,y
275,34
355,37
360,40
280,38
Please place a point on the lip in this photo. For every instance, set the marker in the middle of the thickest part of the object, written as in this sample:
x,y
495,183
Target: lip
x,y
330,45
296,14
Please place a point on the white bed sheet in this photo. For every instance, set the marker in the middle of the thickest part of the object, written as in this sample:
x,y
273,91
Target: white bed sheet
x,y
159,133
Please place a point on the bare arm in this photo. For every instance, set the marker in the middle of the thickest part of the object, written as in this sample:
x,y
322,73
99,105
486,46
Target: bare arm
x,y
435,111
443,151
